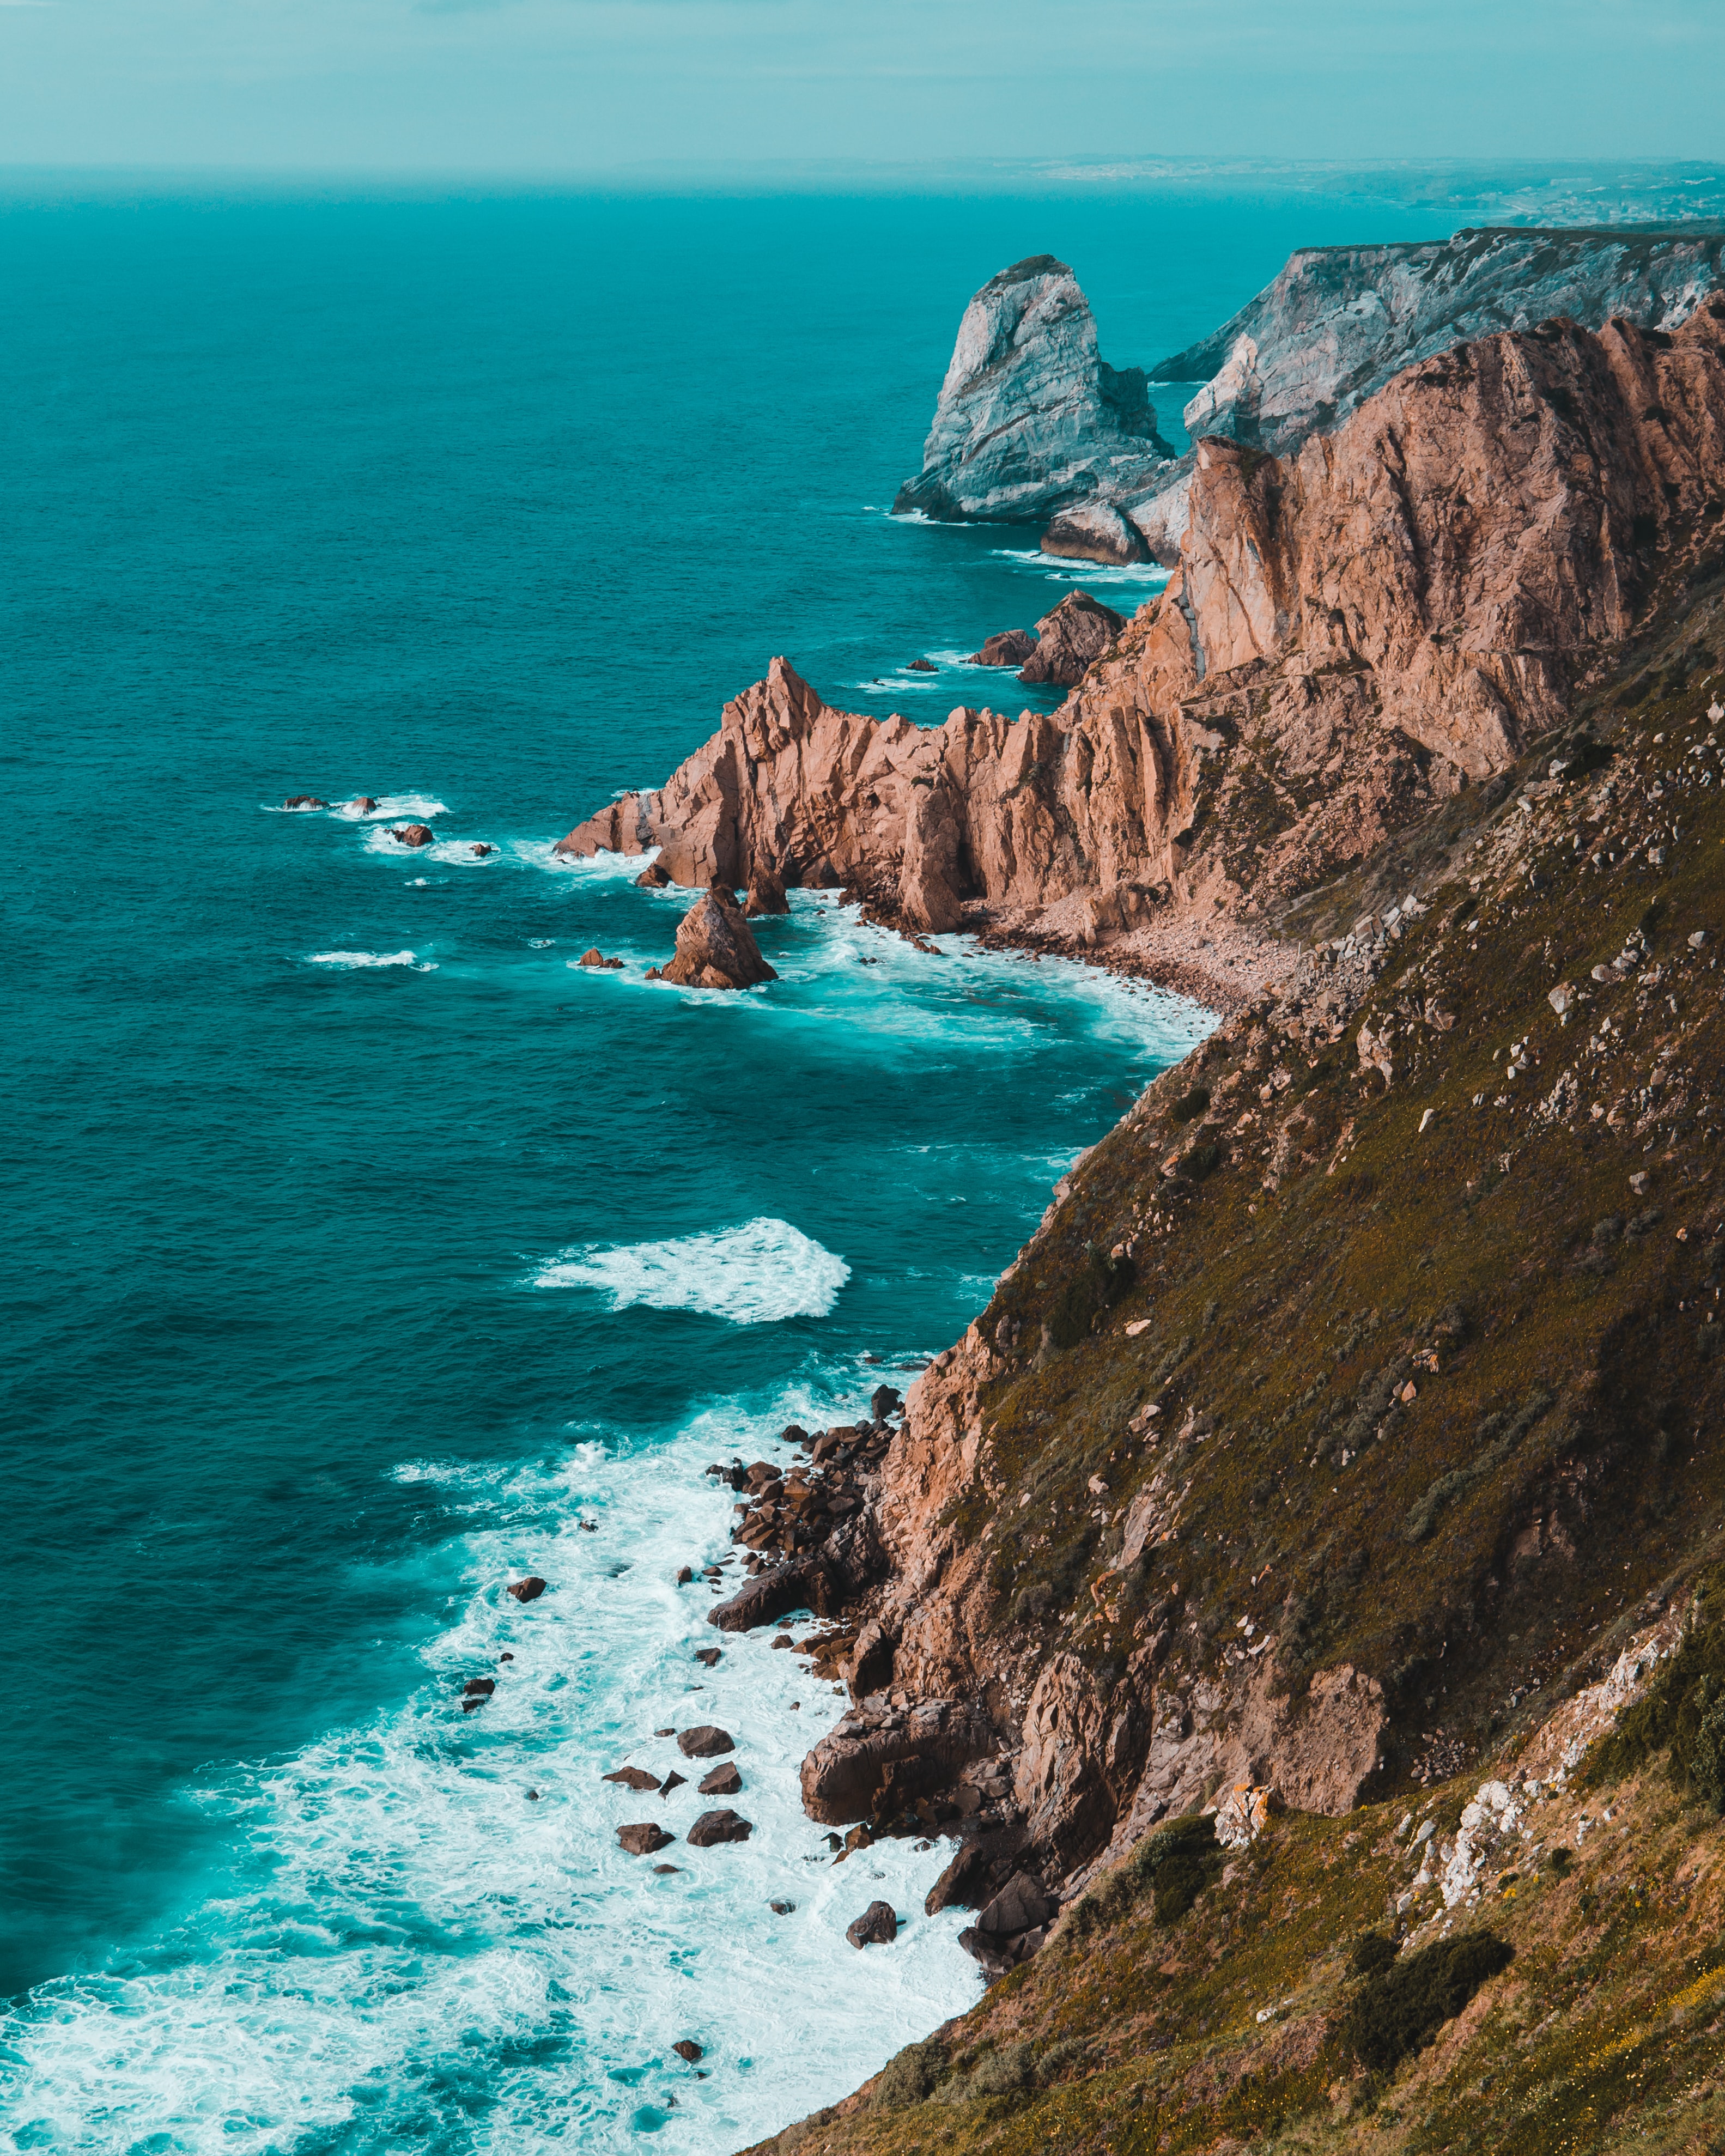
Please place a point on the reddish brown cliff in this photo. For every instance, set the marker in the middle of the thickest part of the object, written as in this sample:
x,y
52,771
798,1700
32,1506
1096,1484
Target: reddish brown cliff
x,y
1351,636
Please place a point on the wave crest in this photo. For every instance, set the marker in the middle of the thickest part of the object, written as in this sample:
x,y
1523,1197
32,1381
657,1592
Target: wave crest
x,y
756,1274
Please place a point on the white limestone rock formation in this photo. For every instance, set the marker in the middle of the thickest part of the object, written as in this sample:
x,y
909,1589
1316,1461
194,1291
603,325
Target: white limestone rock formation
x,y
1029,420
1339,322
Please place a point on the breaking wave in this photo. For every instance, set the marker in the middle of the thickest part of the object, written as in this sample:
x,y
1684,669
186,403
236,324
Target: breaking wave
x,y
755,1274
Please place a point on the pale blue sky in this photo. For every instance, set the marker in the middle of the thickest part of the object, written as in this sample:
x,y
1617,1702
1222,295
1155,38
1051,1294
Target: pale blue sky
x,y
577,86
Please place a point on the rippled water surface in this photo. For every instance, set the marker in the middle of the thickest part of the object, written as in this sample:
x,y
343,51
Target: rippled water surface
x,y
372,1253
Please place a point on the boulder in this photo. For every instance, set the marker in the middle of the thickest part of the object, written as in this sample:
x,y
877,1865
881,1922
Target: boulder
x,y
1020,1906
652,878
685,1575
304,800
1094,532
721,1781
716,948
921,666
479,1687
884,1400
413,835
767,893
633,1778
708,1656
482,852
1070,639
362,804
877,1927
688,2050
596,957
1011,647
803,1584
712,1828
706,1743
528,1589
672,1782
863,1766
643,1838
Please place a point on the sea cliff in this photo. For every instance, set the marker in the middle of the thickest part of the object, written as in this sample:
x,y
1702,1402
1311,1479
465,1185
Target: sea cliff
x,y
1258,1590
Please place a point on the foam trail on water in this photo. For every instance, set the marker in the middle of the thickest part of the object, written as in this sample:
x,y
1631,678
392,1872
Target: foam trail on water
x,y
352,960
754,1274
415,1952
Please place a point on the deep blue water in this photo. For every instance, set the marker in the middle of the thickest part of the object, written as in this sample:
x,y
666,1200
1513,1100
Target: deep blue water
x,y
489,502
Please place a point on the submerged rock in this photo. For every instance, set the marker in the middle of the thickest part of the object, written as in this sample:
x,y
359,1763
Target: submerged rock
x,y
714,947
304,800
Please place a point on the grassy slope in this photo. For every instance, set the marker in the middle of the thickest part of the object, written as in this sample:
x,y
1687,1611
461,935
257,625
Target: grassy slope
x,y
1481,1552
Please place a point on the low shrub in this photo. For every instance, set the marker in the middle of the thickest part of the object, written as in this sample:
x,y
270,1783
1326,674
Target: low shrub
x,y
1372,1952
1684,1708
1400,2010
910,2075
1174,1865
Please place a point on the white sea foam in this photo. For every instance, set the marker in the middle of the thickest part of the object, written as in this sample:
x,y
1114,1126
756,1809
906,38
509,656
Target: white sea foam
x,y
755,1274
355,959
1059,569
593,868
410,1936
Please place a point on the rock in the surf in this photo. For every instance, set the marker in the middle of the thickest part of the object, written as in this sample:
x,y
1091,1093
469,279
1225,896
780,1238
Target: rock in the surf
x,y
921,666
413,835
688,2050
304,800
722,1782
1094,532
766,892
643,1838
706,1742
652,878
597,958
362,804
482,852
715,947
633,1778
1012,647
708,1657
1070,639
528,1589
877,1927
672,1782
712,1828
479,1687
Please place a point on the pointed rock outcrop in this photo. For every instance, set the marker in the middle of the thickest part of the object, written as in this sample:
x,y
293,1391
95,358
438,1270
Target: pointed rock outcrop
x,y
1029,418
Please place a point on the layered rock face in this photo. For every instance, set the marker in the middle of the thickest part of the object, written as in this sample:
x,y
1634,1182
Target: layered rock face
x,y
1339,322
917,821
1029,420
1353,634
1031,426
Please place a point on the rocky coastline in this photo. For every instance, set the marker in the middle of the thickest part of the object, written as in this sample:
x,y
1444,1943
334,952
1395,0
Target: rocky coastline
x,y
1320,1452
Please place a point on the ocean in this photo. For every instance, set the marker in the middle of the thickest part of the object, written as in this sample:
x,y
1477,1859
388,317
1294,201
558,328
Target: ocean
x,y
368,1254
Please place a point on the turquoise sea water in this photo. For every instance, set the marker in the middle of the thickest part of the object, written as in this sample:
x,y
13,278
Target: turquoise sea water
x,y
363,1250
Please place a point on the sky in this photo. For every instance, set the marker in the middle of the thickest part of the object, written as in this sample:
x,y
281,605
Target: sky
x,y
594,87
